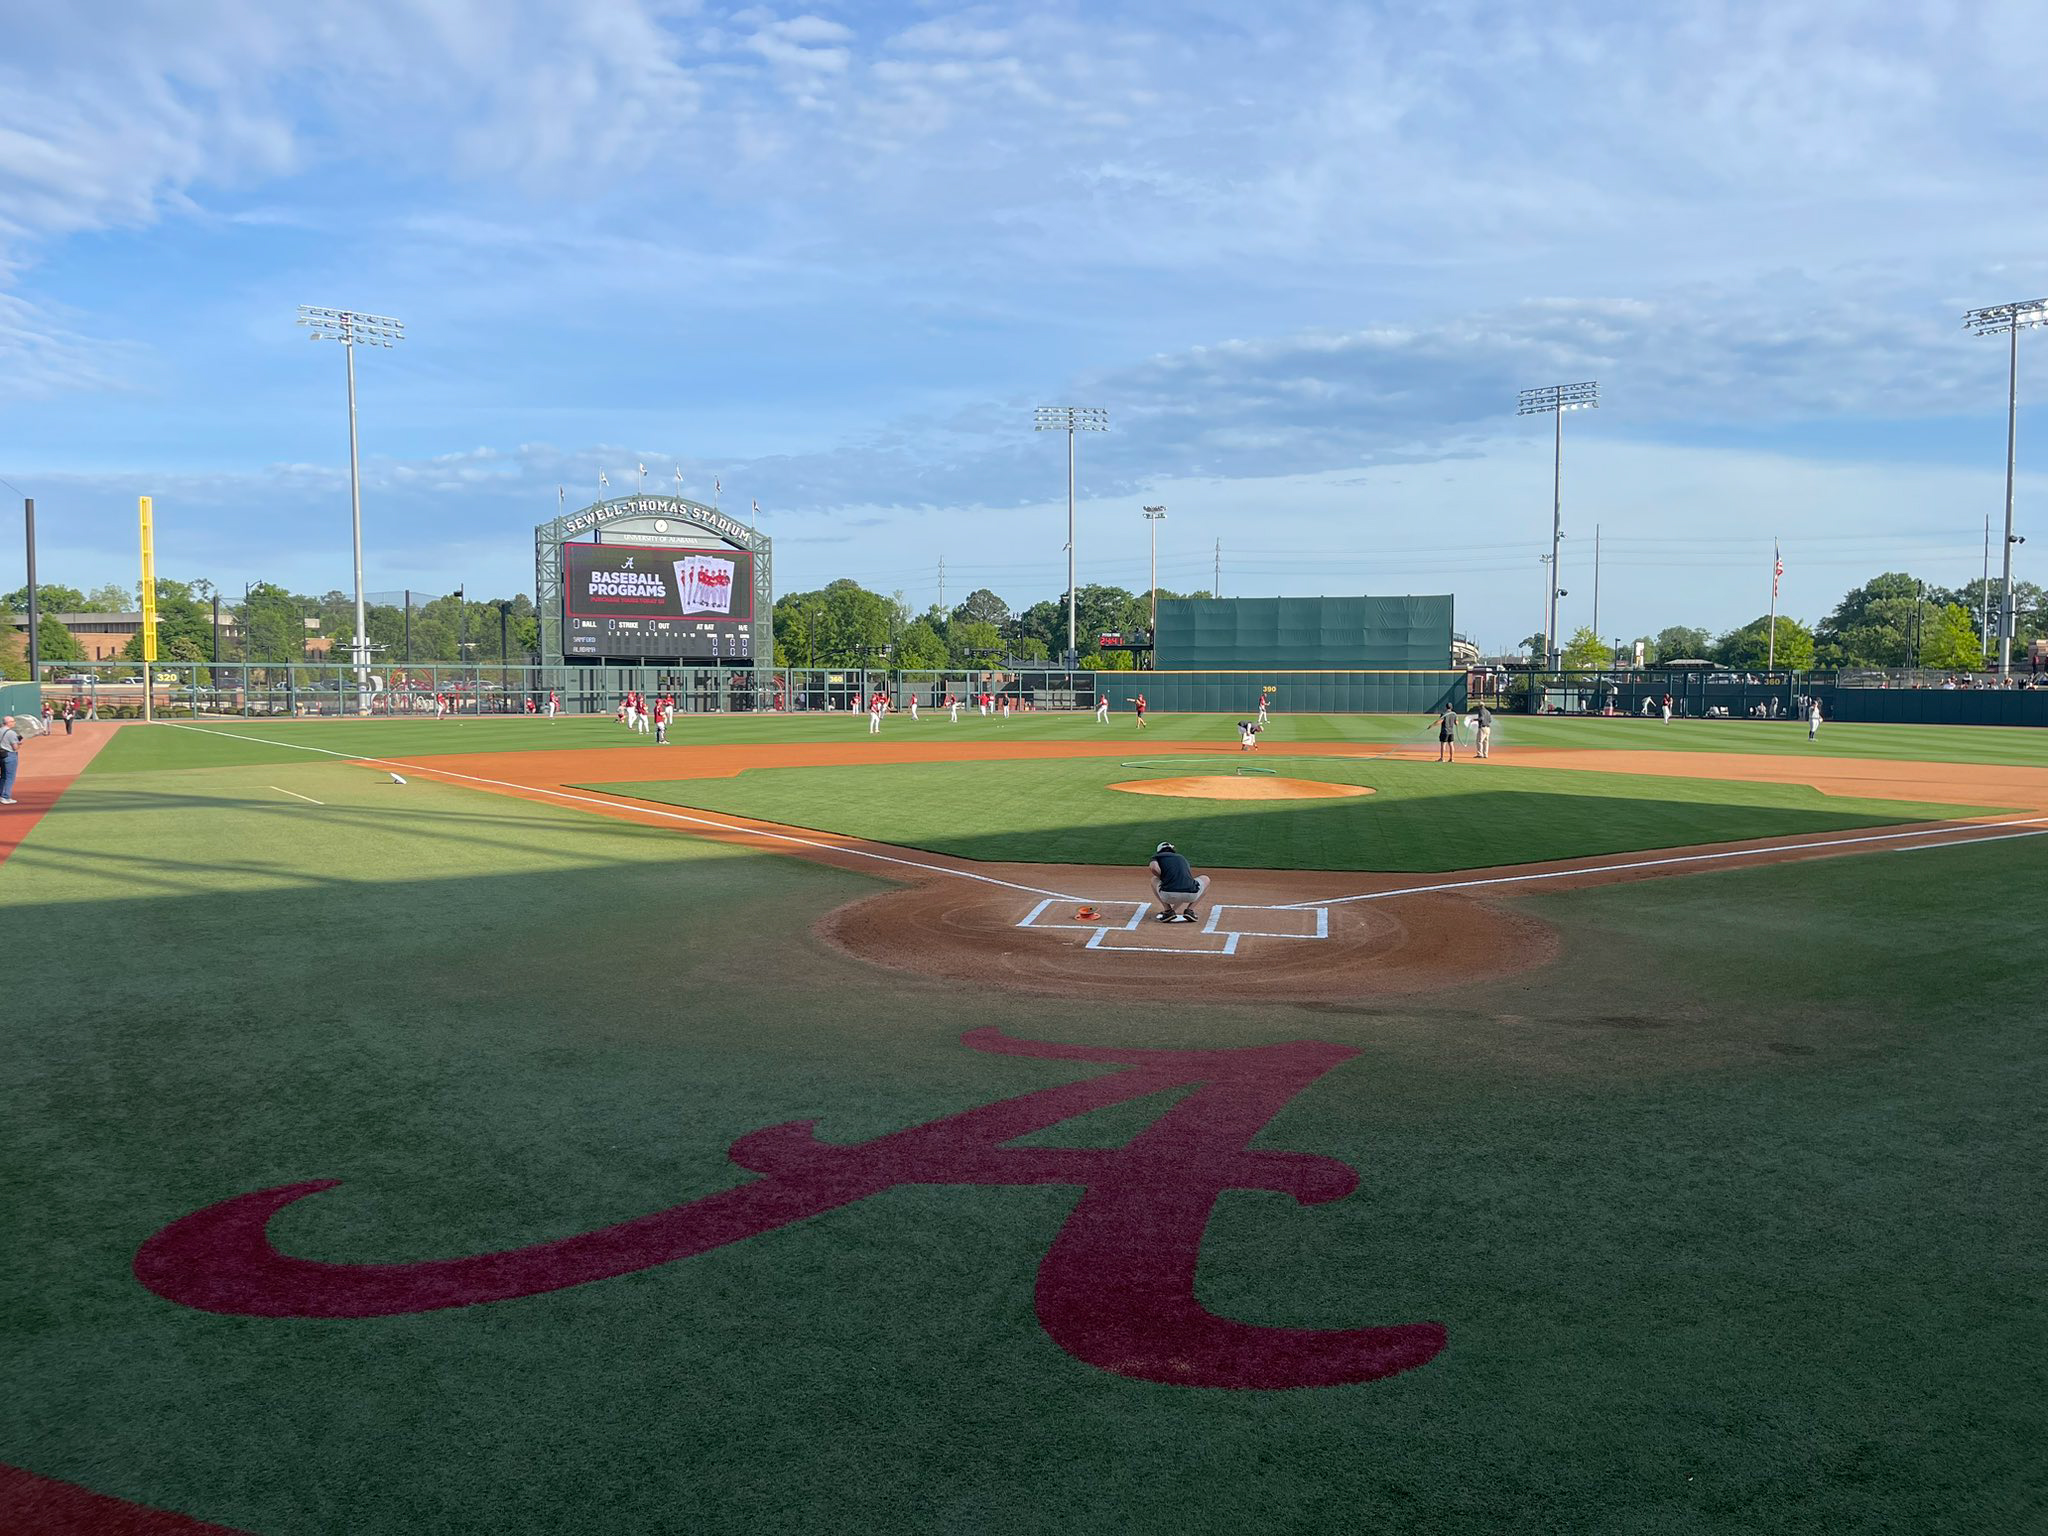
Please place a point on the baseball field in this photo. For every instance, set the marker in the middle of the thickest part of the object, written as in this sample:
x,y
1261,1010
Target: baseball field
x,y
515,1125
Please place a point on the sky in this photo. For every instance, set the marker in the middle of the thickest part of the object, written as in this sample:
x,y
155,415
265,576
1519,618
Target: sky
x,y
828,257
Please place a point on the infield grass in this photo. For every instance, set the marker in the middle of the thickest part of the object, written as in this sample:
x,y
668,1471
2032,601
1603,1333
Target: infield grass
x,y
1420,816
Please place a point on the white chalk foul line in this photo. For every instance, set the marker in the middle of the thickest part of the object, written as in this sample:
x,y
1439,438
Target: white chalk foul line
x,y
1956,837
294,794
641,807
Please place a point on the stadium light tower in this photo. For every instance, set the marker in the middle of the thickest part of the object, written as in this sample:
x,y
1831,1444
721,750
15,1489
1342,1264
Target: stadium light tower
x,y
1070,419
353,330
2008,320
1556,399
1155,516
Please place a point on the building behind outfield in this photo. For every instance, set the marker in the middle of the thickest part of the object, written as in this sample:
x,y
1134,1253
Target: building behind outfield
x,y
1302,654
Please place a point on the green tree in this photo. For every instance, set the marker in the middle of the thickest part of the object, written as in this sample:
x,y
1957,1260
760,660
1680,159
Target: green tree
x,y
920,648
13,655
1873,625
109,597
983,607
1749,647
273,624
974,642
1586,651
1681,643
49,599
1950,640
54,642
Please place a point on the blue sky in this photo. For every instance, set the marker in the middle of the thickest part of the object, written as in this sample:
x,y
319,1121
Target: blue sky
x,y
832,255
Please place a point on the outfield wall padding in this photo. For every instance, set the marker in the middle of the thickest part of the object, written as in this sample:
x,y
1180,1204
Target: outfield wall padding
x,y
1332,634
1286,692
20,699
1938,706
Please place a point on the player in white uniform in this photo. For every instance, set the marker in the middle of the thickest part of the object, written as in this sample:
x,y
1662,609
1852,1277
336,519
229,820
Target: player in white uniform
x,y
953,708
875,715
913,707
1262,711
1102,709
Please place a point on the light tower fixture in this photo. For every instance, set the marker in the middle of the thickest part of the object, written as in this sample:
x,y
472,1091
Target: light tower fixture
x,y
352,330
2008,320
1556,399
1155,516
1070,419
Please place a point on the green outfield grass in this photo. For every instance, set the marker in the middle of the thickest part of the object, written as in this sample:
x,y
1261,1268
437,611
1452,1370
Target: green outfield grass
x,y
223,743
1421,815
1732,1212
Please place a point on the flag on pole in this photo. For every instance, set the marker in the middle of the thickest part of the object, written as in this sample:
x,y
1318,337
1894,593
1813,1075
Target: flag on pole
x,y
1777,569
717,489
679,478
603,480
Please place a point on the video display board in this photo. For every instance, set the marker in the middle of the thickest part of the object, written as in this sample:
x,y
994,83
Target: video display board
x,y
631,600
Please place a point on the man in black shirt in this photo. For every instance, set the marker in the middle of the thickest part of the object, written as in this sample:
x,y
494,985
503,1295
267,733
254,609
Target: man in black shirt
x,y
1176,884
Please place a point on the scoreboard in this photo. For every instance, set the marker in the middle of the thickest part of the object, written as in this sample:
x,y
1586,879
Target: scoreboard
x,y
663,603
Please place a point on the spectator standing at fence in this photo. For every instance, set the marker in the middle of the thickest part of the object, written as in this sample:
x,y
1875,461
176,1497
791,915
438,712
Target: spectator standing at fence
x,y
10,758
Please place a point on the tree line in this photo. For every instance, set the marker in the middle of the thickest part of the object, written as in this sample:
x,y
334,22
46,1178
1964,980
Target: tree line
x,y
274,624
1891,621
843,624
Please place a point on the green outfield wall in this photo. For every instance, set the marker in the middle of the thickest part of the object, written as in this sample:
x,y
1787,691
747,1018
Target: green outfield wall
x,y
1288,692
1303,634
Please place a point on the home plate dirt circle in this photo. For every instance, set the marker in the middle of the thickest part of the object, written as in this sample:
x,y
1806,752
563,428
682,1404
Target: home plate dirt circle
x,y
959,931
1222,786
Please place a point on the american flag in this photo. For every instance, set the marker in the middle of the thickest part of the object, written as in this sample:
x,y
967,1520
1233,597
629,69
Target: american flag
x,y
1777,570
603,479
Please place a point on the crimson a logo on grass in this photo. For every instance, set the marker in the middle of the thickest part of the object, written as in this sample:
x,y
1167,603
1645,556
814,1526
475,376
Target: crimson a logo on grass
x,y
1116,1288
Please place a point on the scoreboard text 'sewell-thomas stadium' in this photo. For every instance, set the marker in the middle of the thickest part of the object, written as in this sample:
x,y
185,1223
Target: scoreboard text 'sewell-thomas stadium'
x,y
690,604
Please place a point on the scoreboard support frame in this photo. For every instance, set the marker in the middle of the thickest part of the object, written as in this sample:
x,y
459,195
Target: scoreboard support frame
x,y
640,519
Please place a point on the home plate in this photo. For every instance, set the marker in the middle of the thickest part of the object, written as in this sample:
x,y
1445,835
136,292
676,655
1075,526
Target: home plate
x,y
1129,926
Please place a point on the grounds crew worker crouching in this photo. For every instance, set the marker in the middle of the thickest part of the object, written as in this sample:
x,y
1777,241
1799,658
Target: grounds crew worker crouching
x,y
1176,884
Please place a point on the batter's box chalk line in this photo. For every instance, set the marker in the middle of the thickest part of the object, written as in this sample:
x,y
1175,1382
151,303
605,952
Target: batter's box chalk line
x,y
1227,922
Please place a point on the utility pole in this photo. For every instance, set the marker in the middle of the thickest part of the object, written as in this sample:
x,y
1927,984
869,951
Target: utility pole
x,y
1070,419
1556,399
216,629
408,626
1984,599
942,581
35,647
1596,578
1216,581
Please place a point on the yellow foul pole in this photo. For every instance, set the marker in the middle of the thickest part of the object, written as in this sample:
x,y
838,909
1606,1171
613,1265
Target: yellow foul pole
x,y
146,508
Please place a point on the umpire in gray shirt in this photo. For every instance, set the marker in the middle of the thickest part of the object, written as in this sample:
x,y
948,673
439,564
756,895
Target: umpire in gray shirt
x,y
10,758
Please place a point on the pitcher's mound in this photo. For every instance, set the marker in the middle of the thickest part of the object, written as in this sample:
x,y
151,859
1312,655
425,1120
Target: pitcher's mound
x,y
1254,786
